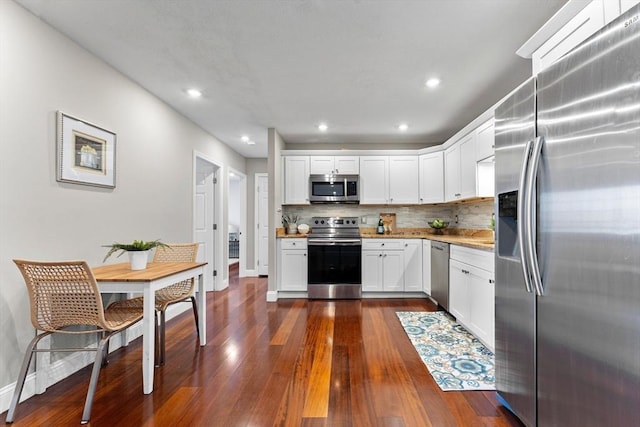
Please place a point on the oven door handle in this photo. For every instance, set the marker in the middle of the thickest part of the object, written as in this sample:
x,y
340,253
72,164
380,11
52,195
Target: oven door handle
x,y
331,242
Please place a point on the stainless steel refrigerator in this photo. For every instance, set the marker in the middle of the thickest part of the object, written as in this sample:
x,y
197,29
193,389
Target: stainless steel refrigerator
x,y
568,237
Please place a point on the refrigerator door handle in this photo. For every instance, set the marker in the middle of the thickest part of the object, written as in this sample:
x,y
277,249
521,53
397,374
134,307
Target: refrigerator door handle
x,y
522,216
531,229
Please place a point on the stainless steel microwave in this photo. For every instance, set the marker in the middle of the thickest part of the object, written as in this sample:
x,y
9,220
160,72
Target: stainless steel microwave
x,y
334,189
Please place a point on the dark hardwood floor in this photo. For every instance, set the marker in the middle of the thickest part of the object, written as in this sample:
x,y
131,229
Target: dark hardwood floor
x,y
290,363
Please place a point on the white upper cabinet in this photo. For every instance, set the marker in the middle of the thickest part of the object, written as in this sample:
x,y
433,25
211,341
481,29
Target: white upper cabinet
x,y
403,180
347,165
330,165
432,177
452,173
573,24
296,180
374,178
389,180
460,169
485,140
468,167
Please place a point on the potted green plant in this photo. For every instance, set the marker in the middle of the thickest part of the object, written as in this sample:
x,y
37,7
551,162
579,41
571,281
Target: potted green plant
x,y
290,223
138,251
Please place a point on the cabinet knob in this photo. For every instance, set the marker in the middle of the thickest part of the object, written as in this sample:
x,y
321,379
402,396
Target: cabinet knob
x,y
304,254
492,281
381,244
406,244
379,255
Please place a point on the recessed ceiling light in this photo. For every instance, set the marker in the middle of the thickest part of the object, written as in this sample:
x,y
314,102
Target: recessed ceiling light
x,y
323,127
403,127
244,138
433,82
194,93
251,142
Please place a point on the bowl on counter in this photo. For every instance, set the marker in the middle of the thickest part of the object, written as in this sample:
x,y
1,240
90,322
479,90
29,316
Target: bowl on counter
x,y
438,225
303,229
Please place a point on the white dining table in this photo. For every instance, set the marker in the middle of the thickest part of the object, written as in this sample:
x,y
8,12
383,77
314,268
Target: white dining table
x,y
119,278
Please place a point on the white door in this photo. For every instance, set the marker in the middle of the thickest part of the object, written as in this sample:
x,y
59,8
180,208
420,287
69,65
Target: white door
x,y
262,223
204,213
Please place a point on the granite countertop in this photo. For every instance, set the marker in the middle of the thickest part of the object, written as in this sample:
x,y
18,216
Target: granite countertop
x,y
477,239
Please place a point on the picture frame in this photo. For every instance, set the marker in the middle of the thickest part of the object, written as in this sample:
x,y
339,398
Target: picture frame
x,y
86,153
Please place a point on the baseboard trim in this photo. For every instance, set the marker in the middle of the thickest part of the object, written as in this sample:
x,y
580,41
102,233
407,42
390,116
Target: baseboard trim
x,y
272,296
249,273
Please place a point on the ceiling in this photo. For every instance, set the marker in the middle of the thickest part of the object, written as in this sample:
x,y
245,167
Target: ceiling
x,y
359,66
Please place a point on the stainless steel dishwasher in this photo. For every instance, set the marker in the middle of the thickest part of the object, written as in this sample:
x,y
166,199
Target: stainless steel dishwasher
x,y
440,273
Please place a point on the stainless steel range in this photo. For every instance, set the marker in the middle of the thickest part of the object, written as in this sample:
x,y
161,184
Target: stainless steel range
x,y
335,250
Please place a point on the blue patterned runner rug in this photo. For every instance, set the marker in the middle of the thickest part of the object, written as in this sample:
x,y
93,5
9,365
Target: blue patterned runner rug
x,y
454,357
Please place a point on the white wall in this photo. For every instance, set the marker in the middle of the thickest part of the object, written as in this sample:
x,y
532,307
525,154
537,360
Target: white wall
x,y
274,166
42,71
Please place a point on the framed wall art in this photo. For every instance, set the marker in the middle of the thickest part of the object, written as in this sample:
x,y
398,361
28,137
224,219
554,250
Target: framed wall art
x,y
86,153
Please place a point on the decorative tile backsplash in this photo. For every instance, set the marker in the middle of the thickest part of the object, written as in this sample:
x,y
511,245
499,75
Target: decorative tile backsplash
x,y
475,215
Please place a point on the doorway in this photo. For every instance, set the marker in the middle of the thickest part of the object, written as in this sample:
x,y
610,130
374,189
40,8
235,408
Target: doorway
x,y
236,221
206,215
262,223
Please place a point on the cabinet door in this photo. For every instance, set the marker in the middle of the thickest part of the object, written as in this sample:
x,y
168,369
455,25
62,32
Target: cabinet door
x,y
482,295
404,179
426,266
294,270
347,165
296,180
432,178
392,271
459,291
579,28
374,177
371,271
413,265
485,140
321,165
452,173
468,167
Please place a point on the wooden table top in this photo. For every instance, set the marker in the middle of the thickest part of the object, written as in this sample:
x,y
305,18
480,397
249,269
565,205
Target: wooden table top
x,y
155,270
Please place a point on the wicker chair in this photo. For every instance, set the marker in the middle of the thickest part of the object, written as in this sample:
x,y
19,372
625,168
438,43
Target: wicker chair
x,y
64,295
178,292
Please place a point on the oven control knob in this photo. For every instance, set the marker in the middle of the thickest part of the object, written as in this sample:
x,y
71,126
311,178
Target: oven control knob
x,y
316,221
322,222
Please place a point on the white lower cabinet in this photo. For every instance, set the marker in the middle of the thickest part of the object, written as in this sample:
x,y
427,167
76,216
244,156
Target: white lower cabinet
x,y
413,265
292,258
426,266
472,291
382,265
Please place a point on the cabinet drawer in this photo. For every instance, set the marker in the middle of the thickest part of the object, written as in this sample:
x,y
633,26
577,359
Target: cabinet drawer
x,y
293,243
475,257
382,244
